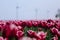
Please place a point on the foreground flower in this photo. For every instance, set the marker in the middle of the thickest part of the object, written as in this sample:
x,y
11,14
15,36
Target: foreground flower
x,y
31,33
54,30
6,31
1,38
20,28
42,35
25,38
19,34
55,38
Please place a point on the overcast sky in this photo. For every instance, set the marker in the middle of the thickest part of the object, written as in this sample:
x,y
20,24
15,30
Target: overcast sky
x,y
45,9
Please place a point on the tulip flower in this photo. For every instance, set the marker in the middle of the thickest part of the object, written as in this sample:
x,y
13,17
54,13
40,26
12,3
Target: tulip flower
x,y
6,31
1,38
23,24
20,28
39,23
58,25
28,23
42,35
15,28
55,38
50,25
44,24
31,33
49,20
58,33
54,30
35,23
19,34
25,38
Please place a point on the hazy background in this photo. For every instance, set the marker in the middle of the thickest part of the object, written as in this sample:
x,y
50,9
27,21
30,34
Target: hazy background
x,y
46,9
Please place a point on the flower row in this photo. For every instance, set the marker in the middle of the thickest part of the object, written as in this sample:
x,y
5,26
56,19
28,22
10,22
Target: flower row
x,y
16,29
35,23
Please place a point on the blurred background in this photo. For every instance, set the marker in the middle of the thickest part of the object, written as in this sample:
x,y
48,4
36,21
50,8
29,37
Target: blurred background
x,y
29,9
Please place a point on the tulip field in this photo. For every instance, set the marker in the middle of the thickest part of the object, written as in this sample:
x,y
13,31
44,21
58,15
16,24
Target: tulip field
x,y
30,29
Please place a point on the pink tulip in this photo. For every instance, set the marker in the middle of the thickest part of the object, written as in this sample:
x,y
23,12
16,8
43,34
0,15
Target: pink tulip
x,y
1,38
55,38
49,20
58,33
25,38
58,25
20,28
44,24
50,25
19,34
29,23
6,31
6,39
41,35
35,23
31,33
23,24
55,31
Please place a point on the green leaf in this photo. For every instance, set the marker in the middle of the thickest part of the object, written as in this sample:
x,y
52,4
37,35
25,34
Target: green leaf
x,y
0,33
49,35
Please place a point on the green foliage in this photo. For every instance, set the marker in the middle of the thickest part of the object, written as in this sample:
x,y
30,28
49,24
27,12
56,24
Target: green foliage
x,y
12,38
0,33
49,35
